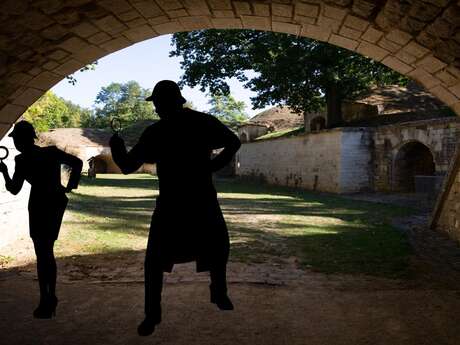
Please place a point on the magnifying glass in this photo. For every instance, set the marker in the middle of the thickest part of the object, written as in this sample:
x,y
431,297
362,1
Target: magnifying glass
x,y
116,125
3,153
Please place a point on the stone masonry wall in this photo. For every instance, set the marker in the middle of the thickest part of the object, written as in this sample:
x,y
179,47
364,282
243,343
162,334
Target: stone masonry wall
x,y
332,161
355,160
449,216
14,221
440,136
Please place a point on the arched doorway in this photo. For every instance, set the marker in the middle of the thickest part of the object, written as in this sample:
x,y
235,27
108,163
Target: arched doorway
x,y
413,159
318,123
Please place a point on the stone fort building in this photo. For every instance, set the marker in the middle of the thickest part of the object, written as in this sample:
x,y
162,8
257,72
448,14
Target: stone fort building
x,y
392,139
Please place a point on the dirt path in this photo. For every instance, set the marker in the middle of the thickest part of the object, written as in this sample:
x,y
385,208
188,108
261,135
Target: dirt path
x,y
311,309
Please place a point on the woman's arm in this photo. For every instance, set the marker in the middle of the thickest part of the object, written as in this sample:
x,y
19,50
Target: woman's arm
x,y
75,165
13,185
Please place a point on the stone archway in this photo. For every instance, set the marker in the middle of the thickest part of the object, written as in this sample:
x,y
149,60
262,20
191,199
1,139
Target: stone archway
x,y
413,160
318,123
41,42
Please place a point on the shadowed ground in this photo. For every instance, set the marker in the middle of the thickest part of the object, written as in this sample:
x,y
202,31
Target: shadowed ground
x,y
305,269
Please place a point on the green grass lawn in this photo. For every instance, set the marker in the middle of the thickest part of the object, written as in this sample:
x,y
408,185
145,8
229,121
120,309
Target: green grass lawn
x,y
324,233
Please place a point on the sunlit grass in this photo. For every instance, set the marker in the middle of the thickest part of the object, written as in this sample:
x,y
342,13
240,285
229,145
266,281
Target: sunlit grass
x,y
325,233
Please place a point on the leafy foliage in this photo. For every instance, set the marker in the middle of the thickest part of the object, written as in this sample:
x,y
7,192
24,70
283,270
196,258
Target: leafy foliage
x,y
227,108
90,67
124,101
51,111
301,73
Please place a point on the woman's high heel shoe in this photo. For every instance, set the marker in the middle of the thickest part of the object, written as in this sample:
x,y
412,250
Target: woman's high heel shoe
x,y
46,309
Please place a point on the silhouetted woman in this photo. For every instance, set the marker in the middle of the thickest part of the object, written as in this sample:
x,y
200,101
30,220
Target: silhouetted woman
x,y
41,167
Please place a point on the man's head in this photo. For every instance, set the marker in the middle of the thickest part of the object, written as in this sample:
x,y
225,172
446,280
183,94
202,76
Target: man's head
x,y
23,135
166,97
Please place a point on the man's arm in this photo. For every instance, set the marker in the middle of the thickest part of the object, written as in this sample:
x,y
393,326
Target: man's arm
x,y
13,185
128,162
223,137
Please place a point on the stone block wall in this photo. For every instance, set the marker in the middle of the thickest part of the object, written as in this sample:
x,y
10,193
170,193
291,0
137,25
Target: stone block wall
x,y
446,217
14,221
439,135
356,161
334,161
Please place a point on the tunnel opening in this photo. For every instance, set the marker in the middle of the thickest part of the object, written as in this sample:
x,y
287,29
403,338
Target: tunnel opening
x,y
412,161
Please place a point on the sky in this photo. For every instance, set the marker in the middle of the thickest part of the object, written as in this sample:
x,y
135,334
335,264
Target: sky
x,y
147,63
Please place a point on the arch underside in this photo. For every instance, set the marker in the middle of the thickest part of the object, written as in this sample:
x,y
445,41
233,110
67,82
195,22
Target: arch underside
x,y
41,42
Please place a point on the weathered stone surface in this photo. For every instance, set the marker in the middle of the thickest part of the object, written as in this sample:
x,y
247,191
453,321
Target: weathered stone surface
x,y
288,28
261,10
356,23
169,27
196,7
316,32
110,24
282,10
424,78
84,29
398,36
44,80
343,42
115,6
54,32
364,8
196,23
431,64
10,113
372,35
373,51
147,9
397,65
334,12
73,44
444,95
28,97
223,13
227,23
220,4
68,67
115,44
256,22
389,45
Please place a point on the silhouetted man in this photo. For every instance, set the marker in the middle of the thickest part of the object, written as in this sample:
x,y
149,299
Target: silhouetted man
x,y
187,224
41,167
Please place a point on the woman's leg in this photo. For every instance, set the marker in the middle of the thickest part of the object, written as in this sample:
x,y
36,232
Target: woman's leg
x,y
46,267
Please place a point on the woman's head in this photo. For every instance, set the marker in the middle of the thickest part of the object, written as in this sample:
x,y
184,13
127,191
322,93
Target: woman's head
x,y
23,135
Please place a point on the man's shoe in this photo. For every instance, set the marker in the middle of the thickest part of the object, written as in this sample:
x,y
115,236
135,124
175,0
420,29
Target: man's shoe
x,y
222,301
146,327
152,319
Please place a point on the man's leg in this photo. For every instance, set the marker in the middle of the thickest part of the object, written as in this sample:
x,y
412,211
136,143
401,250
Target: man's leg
x,y
153,275
153,280
218,287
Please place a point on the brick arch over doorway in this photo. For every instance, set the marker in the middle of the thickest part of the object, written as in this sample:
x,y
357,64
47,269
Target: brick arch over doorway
x,y
43,41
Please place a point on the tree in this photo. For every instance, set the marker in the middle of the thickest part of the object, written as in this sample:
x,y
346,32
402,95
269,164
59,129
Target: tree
x,y
227,108
124,101
51,111
301,73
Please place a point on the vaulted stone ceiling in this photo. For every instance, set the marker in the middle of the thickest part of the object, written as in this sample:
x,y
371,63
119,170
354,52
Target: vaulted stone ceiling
x,y
42,41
